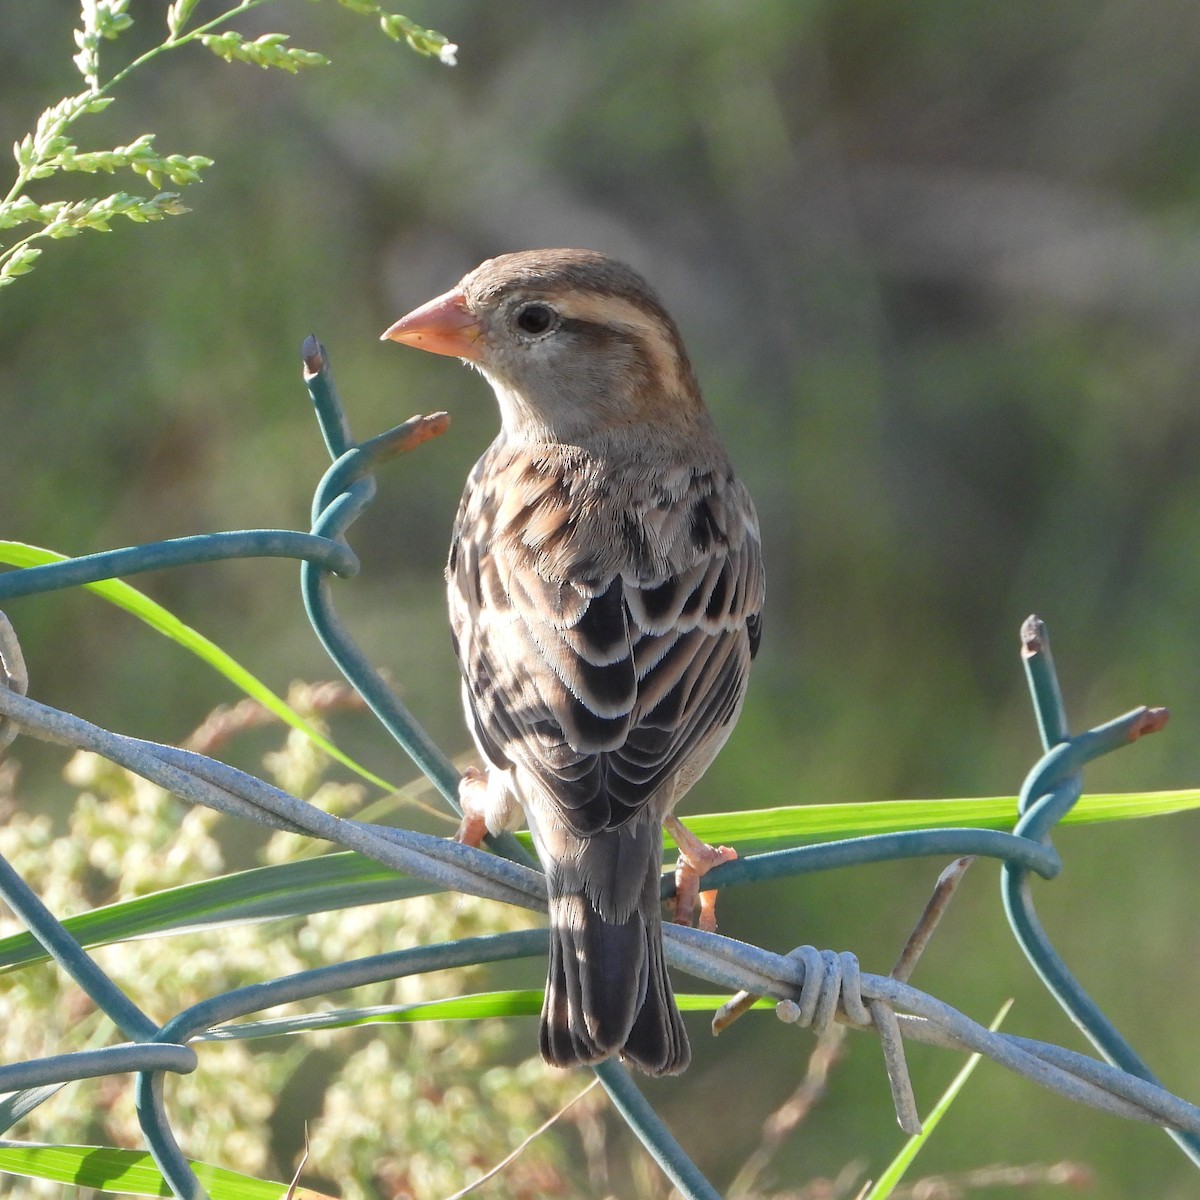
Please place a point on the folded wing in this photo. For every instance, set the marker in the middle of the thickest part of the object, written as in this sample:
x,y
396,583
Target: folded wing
x,y
603,655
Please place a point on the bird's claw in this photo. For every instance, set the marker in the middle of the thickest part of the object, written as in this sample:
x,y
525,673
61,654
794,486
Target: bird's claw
x,y
472,799
696,859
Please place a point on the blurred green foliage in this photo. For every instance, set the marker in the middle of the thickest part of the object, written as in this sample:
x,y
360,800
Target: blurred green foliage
x,y
937,269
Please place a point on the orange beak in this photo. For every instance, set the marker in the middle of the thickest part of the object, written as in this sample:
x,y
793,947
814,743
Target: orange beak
x,y
443,326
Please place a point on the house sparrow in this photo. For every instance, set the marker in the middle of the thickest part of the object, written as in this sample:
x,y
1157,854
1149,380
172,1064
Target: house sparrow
x,y
605,583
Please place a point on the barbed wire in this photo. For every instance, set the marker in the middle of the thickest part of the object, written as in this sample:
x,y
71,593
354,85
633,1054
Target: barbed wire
x,y
813,988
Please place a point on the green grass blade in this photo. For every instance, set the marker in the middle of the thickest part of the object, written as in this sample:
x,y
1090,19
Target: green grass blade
x,y
521,1002
897,1168
129,1172
332,881
814,822
116,591
526,1002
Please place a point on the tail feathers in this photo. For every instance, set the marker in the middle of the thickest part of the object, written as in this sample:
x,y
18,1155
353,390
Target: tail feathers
x,y
607,991
657,1040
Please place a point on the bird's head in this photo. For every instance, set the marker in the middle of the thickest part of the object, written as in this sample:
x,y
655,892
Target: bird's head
x,y
574,344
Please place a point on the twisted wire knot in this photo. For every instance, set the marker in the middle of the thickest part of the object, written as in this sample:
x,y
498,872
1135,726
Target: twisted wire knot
x,y
832,988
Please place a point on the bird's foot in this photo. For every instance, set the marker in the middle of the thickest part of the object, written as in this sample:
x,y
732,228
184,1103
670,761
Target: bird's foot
x,y
696,859
473,800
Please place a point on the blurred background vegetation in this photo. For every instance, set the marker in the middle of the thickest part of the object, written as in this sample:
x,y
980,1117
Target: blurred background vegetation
x,y
938,267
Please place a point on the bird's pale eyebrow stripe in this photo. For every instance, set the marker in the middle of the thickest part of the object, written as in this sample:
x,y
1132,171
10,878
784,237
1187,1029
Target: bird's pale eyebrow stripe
x,y
660,343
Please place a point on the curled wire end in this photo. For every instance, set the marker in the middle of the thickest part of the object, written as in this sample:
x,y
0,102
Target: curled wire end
x,y
13,674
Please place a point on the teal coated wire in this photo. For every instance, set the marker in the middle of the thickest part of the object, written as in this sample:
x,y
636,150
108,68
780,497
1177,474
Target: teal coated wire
x,y
72,957
160,1138
1048,793
359,461
1072,997
880,847
1048,707
327,404
178,552
640,1116
333,514
358,972
355,665
90,1064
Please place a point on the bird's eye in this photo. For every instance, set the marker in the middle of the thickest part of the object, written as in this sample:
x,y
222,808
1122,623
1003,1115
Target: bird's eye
x,y
536,318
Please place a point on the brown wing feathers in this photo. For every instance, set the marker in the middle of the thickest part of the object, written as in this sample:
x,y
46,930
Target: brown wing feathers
x,y
641,669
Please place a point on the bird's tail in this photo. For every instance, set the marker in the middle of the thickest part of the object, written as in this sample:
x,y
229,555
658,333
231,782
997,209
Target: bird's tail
x,y
607,991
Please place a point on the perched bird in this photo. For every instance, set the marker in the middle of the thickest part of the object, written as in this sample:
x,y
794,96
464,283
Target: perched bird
x,y
605,584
